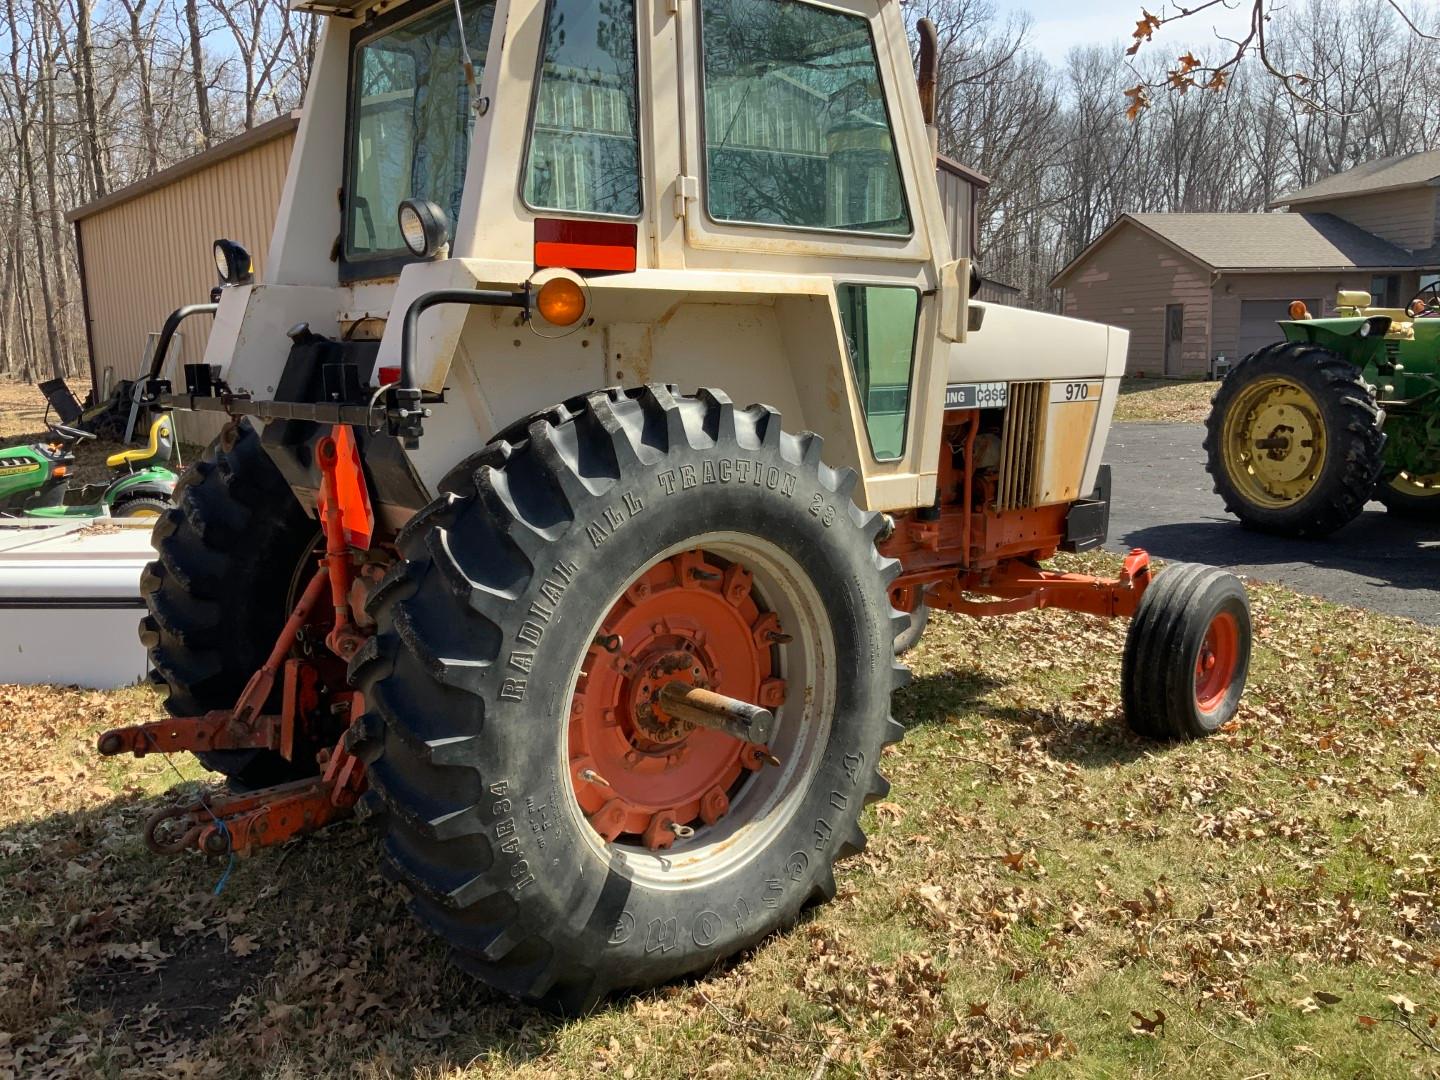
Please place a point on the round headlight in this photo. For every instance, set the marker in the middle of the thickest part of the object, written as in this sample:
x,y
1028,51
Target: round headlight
x,y
1366,329
424,227
233,263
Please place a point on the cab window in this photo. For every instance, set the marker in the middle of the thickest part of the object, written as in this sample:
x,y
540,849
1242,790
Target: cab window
x,y
880,323
796,129
583,155
410,123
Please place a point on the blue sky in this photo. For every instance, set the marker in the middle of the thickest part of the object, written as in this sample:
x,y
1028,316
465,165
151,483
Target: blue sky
x,y
1058,25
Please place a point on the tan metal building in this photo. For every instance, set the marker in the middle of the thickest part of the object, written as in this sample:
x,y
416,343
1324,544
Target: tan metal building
x,y
1192,288
145,250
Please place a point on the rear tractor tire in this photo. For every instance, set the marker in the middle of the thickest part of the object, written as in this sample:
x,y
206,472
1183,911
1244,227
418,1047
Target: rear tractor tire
x,y
221,588
553,823
1187,653
1414,498
1293,440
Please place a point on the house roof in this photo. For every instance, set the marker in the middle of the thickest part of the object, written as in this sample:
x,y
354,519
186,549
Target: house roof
x,y
1387,174
1253,243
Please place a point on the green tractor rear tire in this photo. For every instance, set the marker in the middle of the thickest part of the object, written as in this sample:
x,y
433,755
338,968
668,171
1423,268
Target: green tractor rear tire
x,y
1293,441
1412,498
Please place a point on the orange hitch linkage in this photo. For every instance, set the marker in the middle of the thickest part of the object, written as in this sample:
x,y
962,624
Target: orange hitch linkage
x,y
241,823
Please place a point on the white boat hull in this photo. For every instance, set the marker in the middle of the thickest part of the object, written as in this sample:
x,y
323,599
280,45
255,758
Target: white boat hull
x,y
70,603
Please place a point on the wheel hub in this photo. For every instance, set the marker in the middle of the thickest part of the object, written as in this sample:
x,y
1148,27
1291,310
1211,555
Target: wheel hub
x,y
686,664
637,771
1275,442
1216,663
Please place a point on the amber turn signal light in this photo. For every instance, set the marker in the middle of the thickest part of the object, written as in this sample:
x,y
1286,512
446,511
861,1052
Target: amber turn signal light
x,y
561,302
1298,310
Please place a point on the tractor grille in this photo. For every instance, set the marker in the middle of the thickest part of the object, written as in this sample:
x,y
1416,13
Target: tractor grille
x,y
1392,351
1020,445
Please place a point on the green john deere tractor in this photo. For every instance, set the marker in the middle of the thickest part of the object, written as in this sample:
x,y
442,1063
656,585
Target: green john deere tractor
x,y
1305,432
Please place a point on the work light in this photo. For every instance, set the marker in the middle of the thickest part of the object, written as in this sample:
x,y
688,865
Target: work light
x,y
233,263
424,227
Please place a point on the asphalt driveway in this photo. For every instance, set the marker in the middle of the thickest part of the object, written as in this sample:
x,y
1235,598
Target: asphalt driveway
x,y
1163,502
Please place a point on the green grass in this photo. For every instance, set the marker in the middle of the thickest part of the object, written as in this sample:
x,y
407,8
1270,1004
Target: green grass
x,y
1036,879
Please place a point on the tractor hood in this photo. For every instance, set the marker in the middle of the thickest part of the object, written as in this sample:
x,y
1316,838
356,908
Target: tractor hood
x,y
1321,330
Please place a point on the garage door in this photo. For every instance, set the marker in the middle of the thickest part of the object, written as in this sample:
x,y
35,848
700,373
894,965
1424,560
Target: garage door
x,y
1258,319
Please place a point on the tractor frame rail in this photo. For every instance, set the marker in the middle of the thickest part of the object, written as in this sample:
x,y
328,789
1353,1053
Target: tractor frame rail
x,y
1018,586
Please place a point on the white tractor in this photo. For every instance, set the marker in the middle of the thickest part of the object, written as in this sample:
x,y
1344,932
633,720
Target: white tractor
x,y
496,552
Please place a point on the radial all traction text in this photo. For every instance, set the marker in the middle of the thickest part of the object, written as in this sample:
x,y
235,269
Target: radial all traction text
x,y
614,517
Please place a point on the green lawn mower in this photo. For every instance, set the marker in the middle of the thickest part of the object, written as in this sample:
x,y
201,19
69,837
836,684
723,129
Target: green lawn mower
x,y
35,479
1303,433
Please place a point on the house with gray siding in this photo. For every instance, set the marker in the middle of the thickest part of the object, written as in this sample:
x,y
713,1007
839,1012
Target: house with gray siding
x,y
1192,288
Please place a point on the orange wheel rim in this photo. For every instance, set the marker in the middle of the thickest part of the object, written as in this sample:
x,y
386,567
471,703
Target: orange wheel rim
x,y
693,618
1218,660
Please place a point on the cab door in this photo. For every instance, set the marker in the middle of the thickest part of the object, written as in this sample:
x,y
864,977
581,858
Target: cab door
x,y
802,153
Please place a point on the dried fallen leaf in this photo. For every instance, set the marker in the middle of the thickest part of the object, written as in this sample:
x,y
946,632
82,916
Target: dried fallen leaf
x,y
243,945
1403,1003
889,811
1145,1025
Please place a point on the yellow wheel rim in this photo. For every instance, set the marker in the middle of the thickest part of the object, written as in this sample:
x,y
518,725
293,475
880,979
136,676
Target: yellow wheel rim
x,y
1422,487
1274,442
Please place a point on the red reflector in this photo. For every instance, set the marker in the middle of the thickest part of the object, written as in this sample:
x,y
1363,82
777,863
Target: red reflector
x,y
585,245
389,376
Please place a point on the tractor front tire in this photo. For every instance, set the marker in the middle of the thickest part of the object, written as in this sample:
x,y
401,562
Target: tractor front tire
x,y
1293,440
907,639
564,835
1187,653
219,591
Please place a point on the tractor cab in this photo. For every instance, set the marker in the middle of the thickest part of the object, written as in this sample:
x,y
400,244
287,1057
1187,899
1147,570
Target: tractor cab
x,y
737,186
